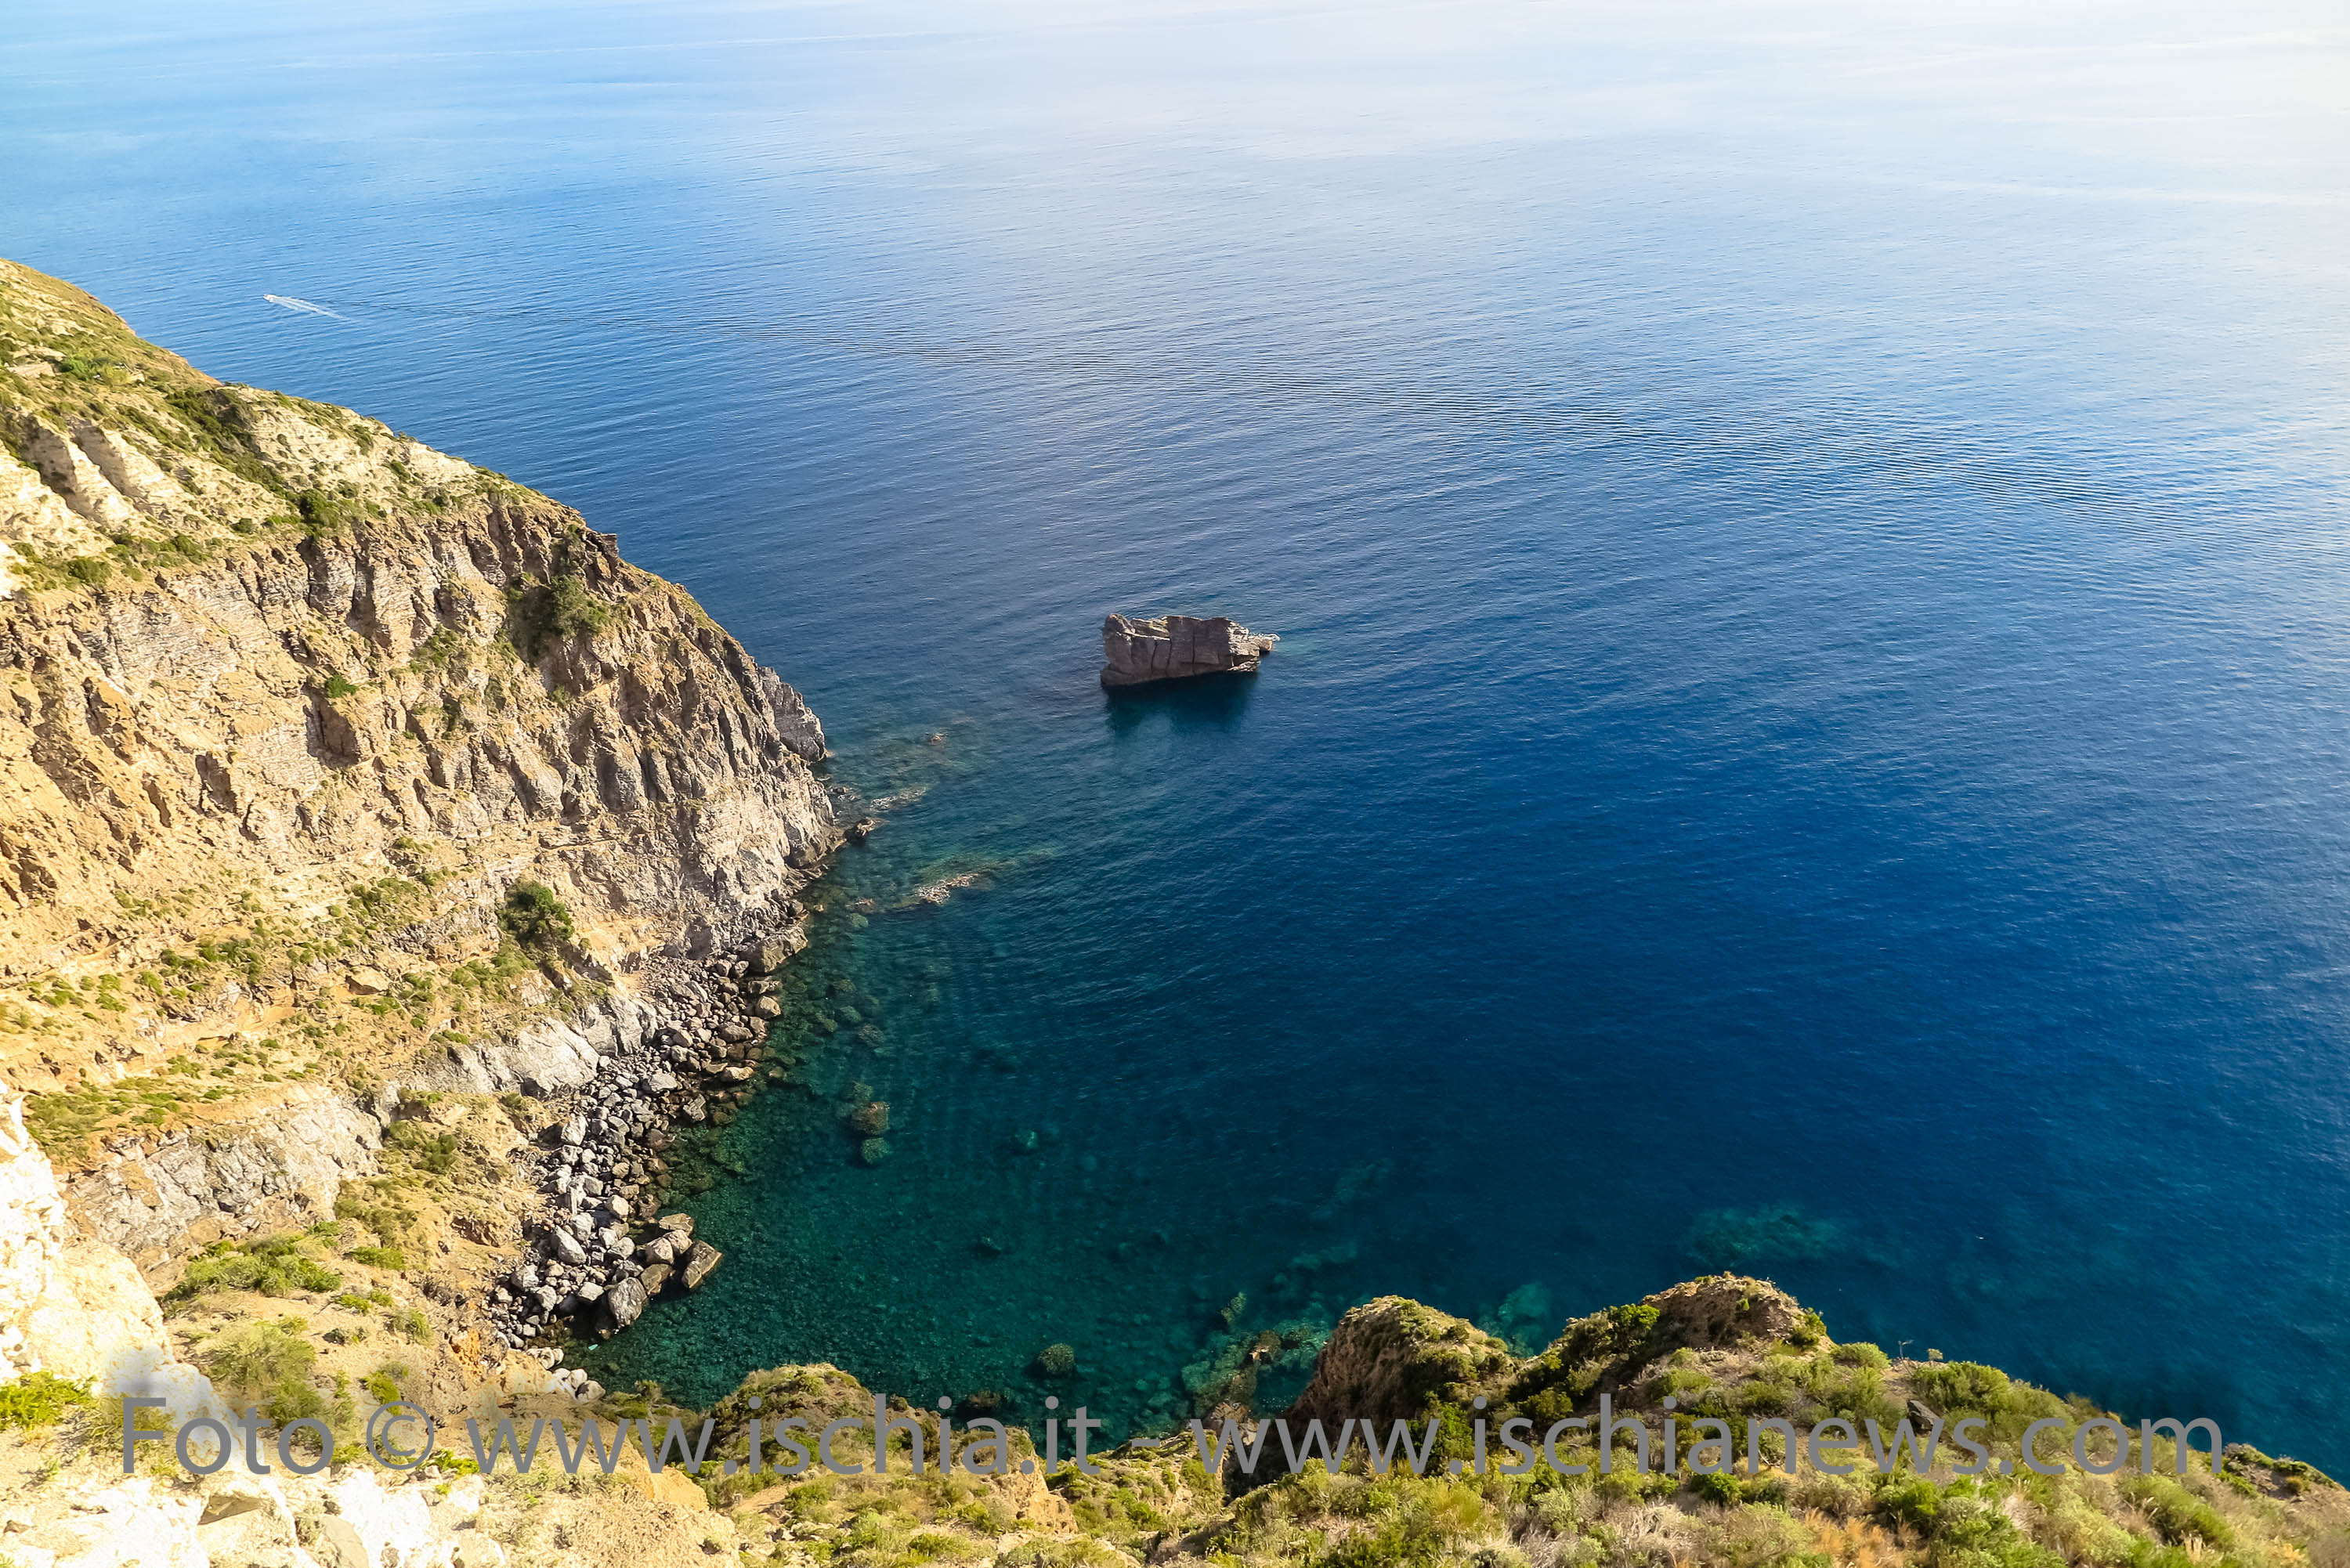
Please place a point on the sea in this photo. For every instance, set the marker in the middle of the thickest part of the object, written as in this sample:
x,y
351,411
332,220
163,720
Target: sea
x,y
1811,730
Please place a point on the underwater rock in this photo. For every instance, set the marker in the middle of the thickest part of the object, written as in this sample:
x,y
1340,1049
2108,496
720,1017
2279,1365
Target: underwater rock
x,y
862,829
1525,1319
700,1262
1177,646
1023,1142
873,1151
1737,1238
1057,1361
940,891
988,1247
870,1120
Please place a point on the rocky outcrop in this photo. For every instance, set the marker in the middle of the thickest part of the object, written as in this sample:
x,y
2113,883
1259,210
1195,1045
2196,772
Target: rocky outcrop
x,y
1176,647
71,1306
278,1167
1390,1358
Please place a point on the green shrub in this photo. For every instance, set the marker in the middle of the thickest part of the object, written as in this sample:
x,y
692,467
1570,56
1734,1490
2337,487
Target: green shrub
x,y
85,368
1962,1385
269,1266
2178,1513
378,1257
322,514
218,427
435,1152
535,918
39,1399
384,1382
560,607
256,1359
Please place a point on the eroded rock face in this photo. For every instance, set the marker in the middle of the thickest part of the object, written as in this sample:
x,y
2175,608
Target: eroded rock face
x,y
1176,647
278,1168
70,1306
31,1236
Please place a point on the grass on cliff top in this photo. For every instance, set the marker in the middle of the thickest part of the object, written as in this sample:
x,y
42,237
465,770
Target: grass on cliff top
x,y
1163,1508
65,357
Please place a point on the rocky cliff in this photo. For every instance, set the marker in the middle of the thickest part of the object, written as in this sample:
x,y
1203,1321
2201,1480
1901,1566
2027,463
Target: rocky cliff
x,y
294,705
344,788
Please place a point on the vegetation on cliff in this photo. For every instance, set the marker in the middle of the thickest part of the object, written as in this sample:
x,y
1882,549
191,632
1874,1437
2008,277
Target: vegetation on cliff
x,y
1736,1349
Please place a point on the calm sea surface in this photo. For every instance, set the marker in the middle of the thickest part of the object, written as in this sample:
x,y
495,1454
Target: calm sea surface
x,y
1812,728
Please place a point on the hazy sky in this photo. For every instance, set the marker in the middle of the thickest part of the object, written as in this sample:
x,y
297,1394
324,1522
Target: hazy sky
x,y
2211,101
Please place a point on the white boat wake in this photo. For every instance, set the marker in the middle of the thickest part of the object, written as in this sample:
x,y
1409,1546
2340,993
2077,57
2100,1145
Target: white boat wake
x,y
293,304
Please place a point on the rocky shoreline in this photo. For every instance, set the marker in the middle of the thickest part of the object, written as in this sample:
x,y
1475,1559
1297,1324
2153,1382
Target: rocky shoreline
x,y
603,1250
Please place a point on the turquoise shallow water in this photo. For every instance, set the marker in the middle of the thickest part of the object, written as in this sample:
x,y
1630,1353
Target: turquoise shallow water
x,y
1812,731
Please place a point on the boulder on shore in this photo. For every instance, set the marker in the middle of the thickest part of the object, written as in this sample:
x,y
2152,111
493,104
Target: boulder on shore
x,y
1177,646
699,1262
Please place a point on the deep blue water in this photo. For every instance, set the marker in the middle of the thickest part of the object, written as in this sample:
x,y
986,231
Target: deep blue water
x,y
1812,731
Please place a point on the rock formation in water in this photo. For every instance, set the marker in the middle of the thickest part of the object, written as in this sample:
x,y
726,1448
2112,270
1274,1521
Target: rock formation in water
x,y
1177,646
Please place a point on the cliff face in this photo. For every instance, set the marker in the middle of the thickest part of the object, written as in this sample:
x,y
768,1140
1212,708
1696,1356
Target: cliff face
x,y
290,710
290,704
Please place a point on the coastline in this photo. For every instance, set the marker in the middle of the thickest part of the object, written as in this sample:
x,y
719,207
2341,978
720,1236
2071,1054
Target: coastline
x,y
701,1044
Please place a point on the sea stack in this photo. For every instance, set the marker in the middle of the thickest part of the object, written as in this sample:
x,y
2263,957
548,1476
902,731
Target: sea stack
x,y
1178,647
